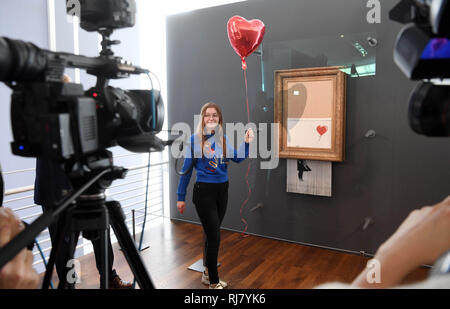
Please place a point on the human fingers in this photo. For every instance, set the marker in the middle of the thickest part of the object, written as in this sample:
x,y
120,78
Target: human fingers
x,y
429,229
17,226
31,279
436,231
66,78
6,216
5,233
180,206
9,217
6,223
18,272
249,135
17,269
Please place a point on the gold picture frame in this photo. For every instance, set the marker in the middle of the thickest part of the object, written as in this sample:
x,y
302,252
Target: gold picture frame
x,y
310,110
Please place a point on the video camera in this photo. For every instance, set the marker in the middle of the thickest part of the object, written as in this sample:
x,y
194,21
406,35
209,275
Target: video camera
x,y
60,122
63,122
422,52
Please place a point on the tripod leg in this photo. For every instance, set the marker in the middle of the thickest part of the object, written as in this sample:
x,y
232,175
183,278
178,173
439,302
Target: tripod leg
x,y
71,252
128,246
51,262
94,222
60,232
104,268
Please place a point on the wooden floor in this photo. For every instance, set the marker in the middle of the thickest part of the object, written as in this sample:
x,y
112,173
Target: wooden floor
x,y
247,262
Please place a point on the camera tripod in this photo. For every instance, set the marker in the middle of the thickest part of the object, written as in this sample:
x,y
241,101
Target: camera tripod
x,y
92,216
85,211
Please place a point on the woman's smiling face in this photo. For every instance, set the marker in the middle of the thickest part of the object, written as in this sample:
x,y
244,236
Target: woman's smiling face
x,y
211,118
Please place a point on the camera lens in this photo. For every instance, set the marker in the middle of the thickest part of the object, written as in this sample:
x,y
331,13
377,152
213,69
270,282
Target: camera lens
x,y
429,110
151,109
5,59
21,61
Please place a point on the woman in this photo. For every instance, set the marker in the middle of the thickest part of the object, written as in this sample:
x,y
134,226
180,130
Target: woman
x,y
211,154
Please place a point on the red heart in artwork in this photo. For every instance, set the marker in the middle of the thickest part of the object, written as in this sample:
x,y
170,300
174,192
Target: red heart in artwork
x,y
322,130
245,35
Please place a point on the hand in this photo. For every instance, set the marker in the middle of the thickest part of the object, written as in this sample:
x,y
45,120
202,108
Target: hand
x,y
181,205
17,273
425,233
66,78
249,136
421,239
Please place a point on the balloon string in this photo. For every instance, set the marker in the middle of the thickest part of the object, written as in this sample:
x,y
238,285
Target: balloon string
x,y
246,96
249,163
246,200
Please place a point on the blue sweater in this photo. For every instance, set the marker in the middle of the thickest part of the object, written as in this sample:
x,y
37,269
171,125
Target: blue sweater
x,y
212,167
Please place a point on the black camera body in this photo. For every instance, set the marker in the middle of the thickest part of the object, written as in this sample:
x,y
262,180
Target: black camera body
x,y
53,119
97,14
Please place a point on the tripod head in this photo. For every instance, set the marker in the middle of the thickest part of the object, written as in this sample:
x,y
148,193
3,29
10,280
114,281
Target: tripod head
x,y
95,164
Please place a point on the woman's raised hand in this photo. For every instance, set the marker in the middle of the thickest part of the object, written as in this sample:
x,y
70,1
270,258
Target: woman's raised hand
x,y
249,136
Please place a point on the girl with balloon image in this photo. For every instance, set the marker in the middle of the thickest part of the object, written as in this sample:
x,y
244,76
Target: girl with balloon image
x,y
211,153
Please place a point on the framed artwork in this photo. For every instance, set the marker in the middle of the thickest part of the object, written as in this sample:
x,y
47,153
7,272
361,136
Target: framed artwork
x,y
310,109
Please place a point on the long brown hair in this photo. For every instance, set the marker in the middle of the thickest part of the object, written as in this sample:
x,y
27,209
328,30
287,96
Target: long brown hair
x,y
201,127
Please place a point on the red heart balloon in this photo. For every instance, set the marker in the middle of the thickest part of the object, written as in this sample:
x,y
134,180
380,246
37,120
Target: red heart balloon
x,y
322,130
245,36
